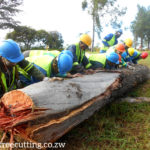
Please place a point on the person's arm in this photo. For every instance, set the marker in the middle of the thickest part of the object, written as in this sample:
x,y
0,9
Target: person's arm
x,y
96,65
107,38
31,69
86,63
77,68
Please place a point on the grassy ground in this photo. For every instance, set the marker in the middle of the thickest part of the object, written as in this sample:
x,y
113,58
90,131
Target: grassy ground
x,y
118,126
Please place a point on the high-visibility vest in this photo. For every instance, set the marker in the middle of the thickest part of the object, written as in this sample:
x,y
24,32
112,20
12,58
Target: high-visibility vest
x,y
44,62
4,81
43,52
80,53
98,58
111,42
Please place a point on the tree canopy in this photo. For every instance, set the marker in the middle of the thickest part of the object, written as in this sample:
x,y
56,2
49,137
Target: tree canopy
x,y
100,10
29,38
8,9
141,26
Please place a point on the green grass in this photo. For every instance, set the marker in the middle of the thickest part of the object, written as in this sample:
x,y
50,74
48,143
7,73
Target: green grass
x,y
118,126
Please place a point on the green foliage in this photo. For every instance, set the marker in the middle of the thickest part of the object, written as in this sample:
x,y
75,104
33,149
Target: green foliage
x,y
8,9
141,25
25,36
29,38
101,9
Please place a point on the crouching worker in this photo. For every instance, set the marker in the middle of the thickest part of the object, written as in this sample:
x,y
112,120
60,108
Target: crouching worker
x,y
51,66
138,55
80,61
106,60
11,63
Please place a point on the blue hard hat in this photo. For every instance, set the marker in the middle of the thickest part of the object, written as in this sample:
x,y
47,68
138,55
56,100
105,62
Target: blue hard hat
x,y
10,50
113,57
64,63
67,52
120,31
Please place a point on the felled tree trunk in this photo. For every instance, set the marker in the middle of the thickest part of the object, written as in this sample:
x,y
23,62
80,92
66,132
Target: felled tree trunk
x,y
64,104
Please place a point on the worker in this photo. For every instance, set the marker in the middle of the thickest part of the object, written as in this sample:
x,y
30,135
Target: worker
x,y
138,55
127,55
128,43
110,40
80,61
11,63
106,60
119,49
51,66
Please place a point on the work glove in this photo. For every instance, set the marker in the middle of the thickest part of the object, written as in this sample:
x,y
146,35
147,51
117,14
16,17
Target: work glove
x,y
74,75
46,79
130,67
53,79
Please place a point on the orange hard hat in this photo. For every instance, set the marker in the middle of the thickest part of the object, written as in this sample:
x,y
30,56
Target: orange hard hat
x,y
120,47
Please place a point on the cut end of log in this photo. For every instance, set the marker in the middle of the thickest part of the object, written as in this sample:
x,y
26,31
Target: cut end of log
x,y
16,100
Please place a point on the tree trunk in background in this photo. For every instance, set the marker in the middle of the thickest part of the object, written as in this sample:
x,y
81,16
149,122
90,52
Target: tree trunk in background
x,y
69,102
92,48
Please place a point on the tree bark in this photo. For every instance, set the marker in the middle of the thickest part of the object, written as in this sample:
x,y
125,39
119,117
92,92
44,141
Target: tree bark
x,y
68,103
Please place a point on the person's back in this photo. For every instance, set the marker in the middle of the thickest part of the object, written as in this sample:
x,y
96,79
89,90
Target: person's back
x,y
52,66
106,60
31,53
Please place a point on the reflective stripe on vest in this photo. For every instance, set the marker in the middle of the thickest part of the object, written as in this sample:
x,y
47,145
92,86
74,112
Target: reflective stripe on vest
x,y
12,86
43,62
43,52
111,42
99,58
138,54
80,53
23,72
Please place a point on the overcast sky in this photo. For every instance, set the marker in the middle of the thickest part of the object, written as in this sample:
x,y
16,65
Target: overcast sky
x,y
67,17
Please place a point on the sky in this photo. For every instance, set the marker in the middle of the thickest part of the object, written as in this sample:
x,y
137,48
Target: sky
x,y
68,18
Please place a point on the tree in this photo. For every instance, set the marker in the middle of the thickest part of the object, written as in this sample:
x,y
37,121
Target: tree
x,y
25,36
8,9
100,9
141,25
55,40
30,38
147,28
42,38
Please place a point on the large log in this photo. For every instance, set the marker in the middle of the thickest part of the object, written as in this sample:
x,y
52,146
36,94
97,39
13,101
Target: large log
x,y
65,104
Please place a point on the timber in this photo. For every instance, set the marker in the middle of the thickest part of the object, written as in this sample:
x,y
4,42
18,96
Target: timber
x,y
59,106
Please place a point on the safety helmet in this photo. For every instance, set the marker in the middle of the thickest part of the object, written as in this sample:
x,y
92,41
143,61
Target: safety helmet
x,y
64,63
118,33
67,52
10,50
128,42
120,47
113,57
131,51
86,39
144,55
